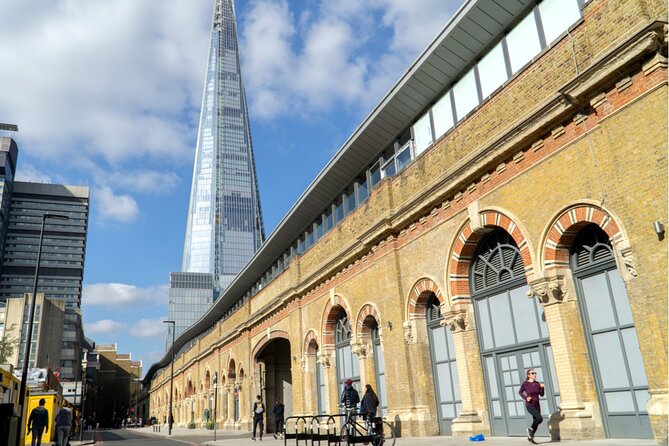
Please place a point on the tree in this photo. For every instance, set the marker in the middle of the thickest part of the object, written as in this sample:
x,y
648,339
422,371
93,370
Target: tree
x,y
7,345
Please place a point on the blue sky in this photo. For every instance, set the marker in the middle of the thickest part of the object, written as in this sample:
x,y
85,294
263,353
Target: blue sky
x,y
106,93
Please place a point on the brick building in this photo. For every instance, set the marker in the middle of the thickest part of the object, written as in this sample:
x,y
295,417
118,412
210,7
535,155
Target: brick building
x,y
502,208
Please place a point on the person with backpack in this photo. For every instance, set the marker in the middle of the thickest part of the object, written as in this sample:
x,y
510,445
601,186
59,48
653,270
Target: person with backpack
x,y
258,415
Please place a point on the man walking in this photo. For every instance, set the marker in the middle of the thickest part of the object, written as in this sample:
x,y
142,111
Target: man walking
x,y
38,422
63,426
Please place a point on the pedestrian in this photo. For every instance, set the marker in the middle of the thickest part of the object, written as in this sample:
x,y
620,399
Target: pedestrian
x,y
63,426
258,414
370,402
38,422
530,391
349,399
278,410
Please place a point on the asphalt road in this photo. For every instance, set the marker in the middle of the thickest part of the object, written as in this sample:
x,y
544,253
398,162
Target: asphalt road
x,y
123,437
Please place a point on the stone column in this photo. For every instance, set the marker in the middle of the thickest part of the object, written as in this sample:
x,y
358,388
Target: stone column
x,y
363,349
229,422
474,418
579,416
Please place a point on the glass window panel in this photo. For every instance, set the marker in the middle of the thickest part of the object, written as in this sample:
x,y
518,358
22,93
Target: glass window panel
x,y
492,376
350,201
634,359
422,131
619,401
465,95
329,222
456,381
449,342
543,404
403,157
642,397
389,168
551,366
339,212
597,302
375,173
363,191
448,410
484,316
492,70
501,323
356,366
610,360
509,391
622,303
444,376
523,43
442,114
557,16
496,409
524,315
511,406
440,346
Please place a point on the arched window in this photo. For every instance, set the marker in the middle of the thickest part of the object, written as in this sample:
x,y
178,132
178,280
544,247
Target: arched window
x,y
621,381
347,362
444,369
512,333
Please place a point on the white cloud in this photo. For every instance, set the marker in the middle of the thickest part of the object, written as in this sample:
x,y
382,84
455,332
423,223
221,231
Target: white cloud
x,y
104,326
149,328
28,172
110,206
148,181
123,295
108,81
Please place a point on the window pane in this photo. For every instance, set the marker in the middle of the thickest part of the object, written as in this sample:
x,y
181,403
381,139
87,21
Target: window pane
x,y
620,298
610,360
523,43
328,221
492,70
422,131
642,397
444,377
598,302
389,168
439,339
466,97
634,359
492,377
362,191
339,212
524,315
403,157
557,16
501,323
375,174
619,401
482,307
350,202
456,382
442,115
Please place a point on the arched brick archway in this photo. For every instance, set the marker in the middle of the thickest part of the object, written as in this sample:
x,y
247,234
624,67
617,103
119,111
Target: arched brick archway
x,y
563,231
274,334
368,310
309,341
332,309
419,296
232,370
465,245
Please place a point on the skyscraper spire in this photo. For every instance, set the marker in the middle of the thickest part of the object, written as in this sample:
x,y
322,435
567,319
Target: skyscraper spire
x,y
225,225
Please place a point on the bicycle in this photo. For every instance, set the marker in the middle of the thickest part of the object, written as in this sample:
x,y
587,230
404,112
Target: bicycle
x,y
374,432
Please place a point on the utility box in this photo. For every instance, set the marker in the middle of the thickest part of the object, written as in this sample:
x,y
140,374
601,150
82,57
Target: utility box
x,y
9,409
54,401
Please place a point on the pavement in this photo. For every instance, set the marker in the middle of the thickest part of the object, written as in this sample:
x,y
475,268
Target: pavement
x,y
243,438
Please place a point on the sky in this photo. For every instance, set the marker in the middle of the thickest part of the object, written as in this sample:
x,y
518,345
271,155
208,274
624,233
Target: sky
x,y
107,94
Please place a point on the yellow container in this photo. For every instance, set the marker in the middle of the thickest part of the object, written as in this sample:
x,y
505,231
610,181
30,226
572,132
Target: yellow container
x,y
54,401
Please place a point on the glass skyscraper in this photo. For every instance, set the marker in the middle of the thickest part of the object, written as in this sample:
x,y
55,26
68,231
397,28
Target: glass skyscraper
x,y
225,226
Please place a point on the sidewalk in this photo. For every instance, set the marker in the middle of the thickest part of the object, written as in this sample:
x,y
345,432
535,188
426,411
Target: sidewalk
x,y
243,438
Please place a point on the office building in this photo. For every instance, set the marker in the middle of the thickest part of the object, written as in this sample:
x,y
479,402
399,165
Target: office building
x,y
224,227
62,263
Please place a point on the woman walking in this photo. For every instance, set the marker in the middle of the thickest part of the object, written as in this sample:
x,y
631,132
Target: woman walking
x,y
530,391
370,402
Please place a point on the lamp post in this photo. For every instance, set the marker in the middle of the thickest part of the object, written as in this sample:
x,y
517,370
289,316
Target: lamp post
x,y
169,414
215,396
84,366
31,317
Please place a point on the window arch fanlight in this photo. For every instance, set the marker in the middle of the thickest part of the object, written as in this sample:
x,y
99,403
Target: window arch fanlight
x,y
342,329
498,261
591,248
433,310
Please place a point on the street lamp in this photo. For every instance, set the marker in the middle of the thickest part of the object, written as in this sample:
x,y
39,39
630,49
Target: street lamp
x,y
31,317
215,395
169,414
135,390
84,366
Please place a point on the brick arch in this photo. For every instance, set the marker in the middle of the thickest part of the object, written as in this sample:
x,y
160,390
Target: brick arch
x,y
365,311
561,233
465,244
308,339
266,339
419,295
330,316
232,370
